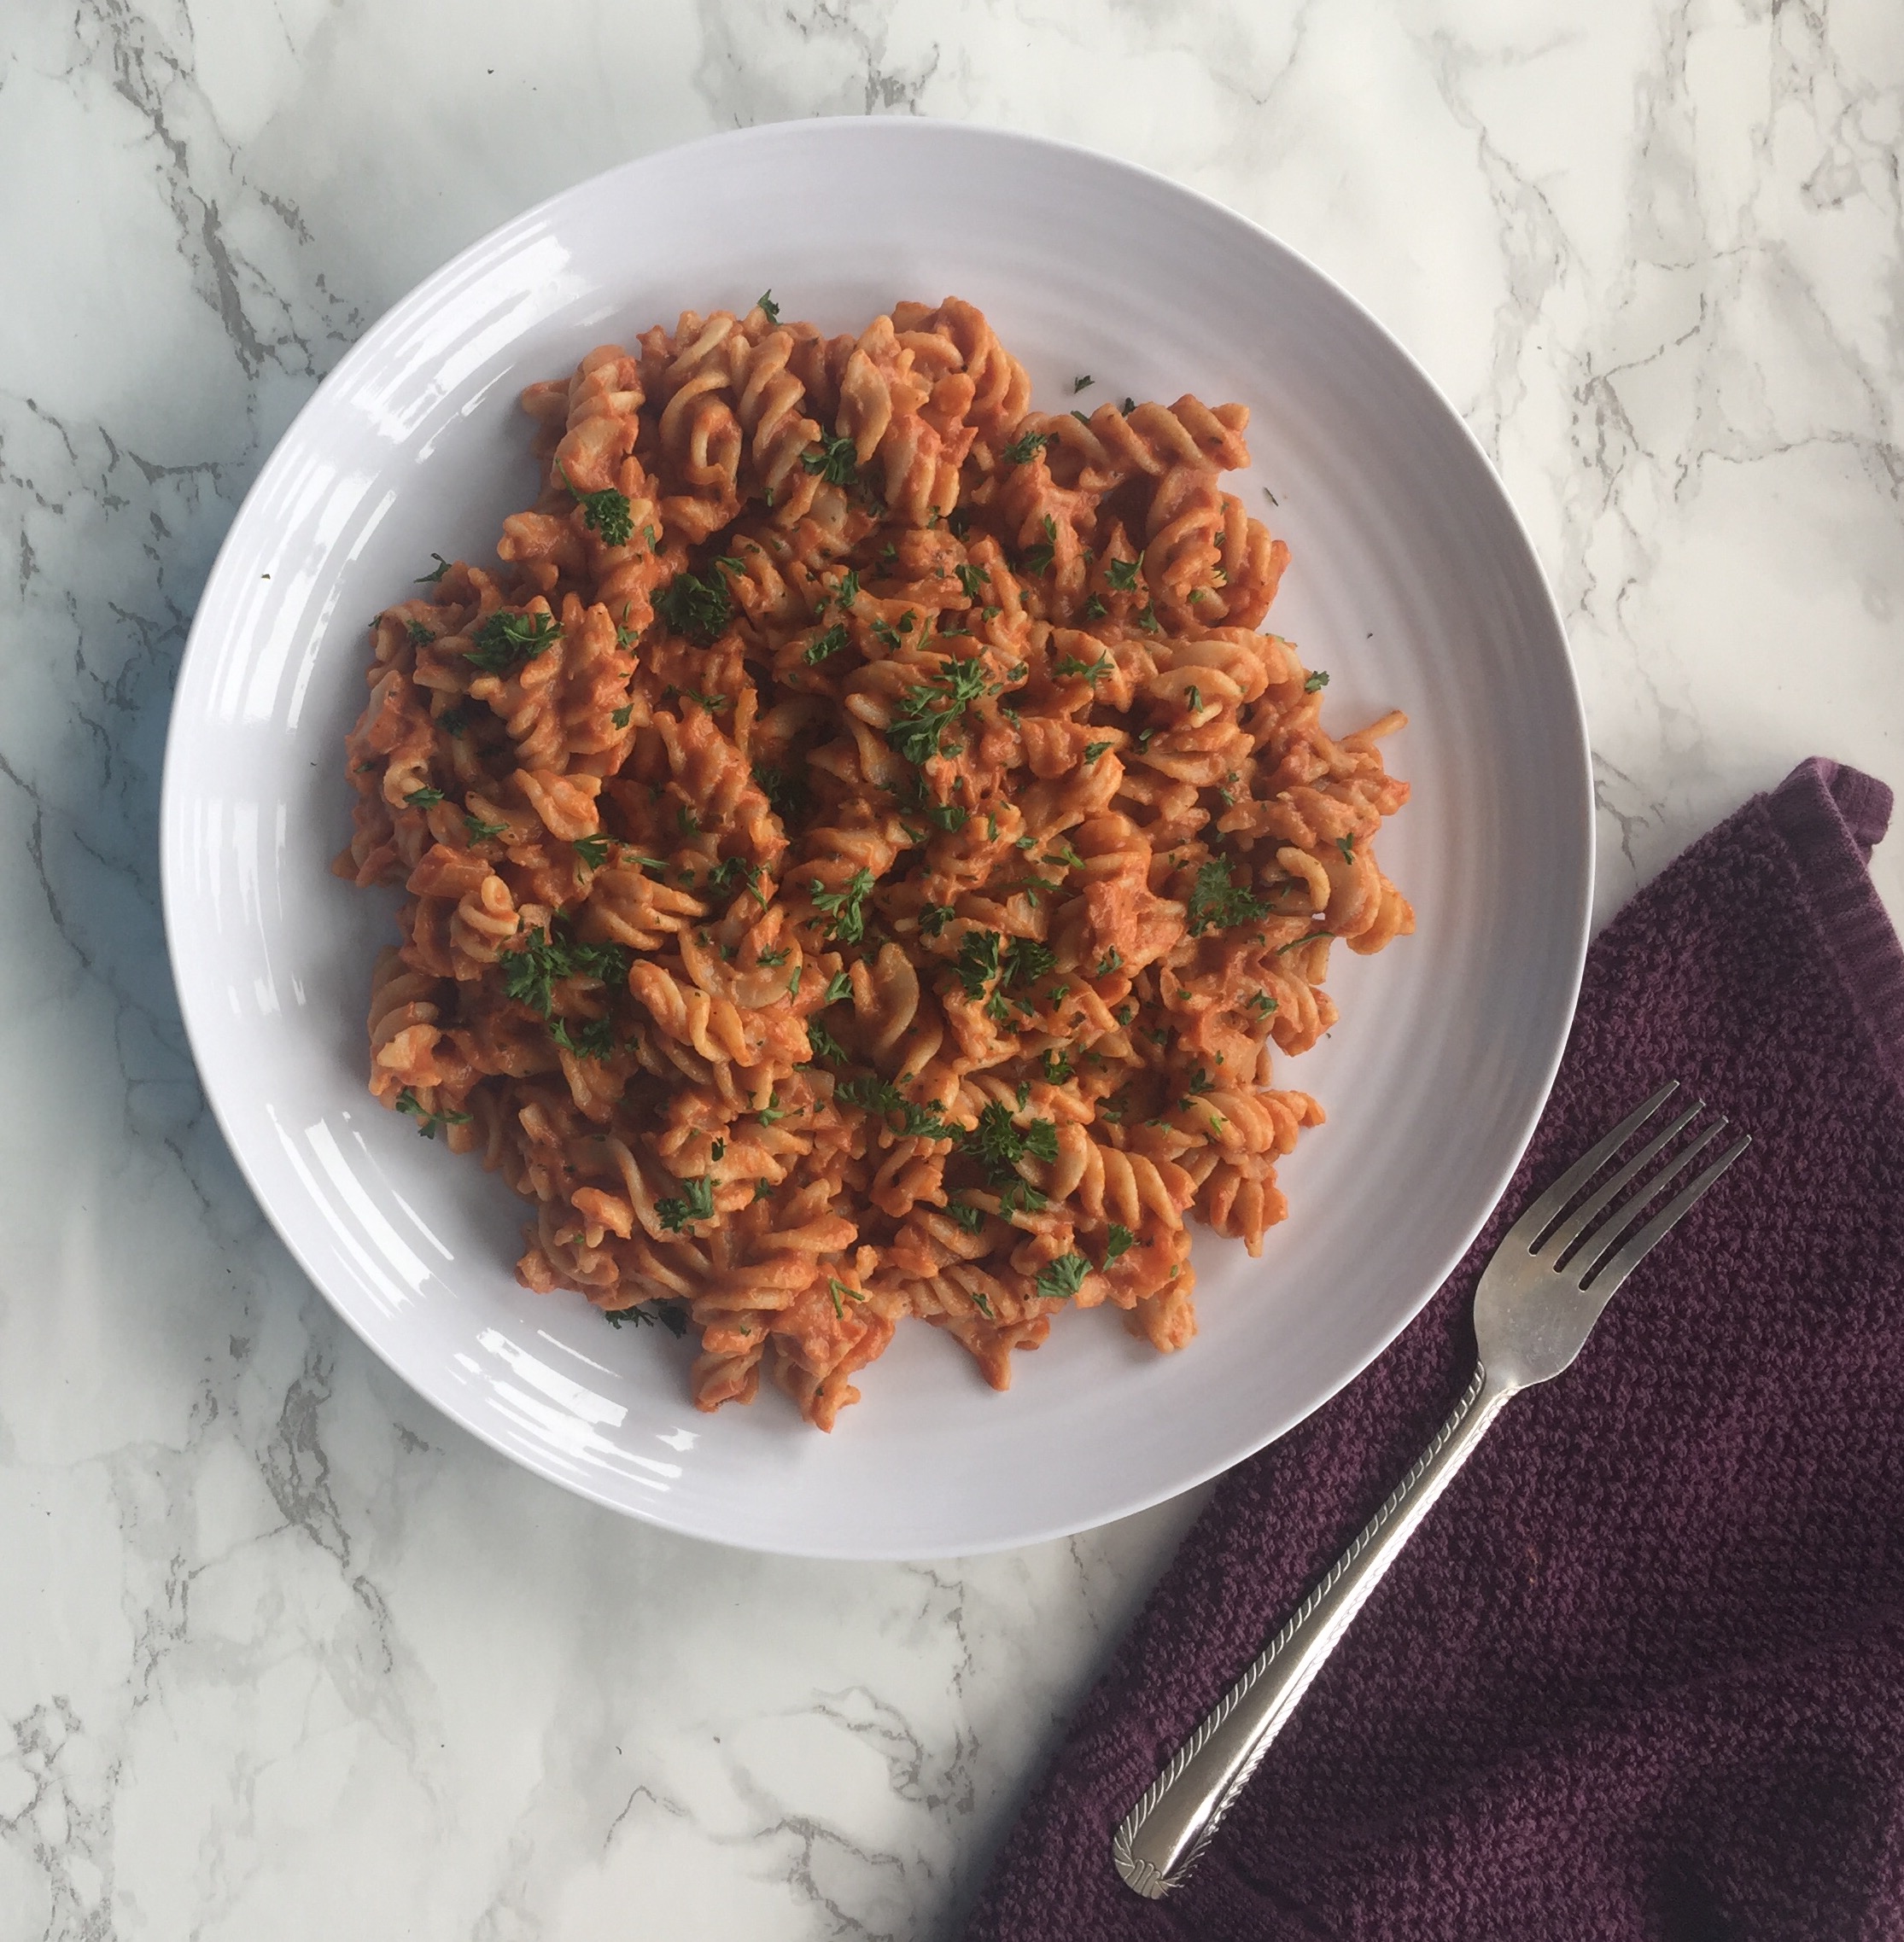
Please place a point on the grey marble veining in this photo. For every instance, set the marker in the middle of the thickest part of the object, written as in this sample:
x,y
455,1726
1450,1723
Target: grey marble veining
x,y
282,1654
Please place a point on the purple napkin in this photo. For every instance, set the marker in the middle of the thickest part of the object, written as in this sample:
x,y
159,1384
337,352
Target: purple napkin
x,y
1641,1672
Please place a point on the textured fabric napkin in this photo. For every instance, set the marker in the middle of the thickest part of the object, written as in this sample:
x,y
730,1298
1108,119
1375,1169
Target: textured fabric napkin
x,y
1641,1672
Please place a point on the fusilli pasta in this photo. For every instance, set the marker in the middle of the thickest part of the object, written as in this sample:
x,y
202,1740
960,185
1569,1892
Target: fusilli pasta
x,y
861,856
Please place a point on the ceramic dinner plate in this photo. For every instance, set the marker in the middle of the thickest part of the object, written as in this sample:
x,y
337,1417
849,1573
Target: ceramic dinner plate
x,y
1412,582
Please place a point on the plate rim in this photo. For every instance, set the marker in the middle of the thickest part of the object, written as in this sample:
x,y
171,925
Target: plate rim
x,y
194,1012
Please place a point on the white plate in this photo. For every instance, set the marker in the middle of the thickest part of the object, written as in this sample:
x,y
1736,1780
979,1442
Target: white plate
x,y
1412,582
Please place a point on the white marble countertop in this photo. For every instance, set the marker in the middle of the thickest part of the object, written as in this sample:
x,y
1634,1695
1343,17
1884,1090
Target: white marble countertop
x,y
282,1654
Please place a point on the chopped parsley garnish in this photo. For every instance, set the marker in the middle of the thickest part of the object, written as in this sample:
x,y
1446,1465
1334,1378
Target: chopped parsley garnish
x,y
999,1144
848,590
593,850
1261,1003
786,796
431,578
733,870
977,961
1026,446
917,731
529,972
1347,845
845,906
699,610
1216,903
606,512
1056,1067
823,1045
882,1096
420,636
973,1220
773,960
1079,384
951,817
838,986
481,832
427,1121
1318,680
831,641
1093,750
772,1111
1037,558
1193,697
505,640
453,721
973,579
593,1039
1108,963
1027,961
765,304
696,1203
620,717
712,703
1121,576
836,459
425,798
1058,1281
1118,1241
934,917
1310,939
1093,671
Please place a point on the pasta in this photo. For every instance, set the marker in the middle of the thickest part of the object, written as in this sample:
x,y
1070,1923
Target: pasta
x,y
862,855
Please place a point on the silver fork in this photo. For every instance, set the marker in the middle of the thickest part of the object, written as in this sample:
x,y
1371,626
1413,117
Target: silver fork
x,y
1541,1293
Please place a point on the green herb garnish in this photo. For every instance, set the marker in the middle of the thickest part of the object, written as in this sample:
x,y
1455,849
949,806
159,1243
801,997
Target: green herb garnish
x,y
845,906
837,460
505,640
696,1203
699,610
606,512
427,1121
1216,903
1058,1281
831,641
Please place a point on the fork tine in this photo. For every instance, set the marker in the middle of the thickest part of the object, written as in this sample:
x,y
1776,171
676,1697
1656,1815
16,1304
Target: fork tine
x,y
1591,1252
1607,1280
1583,1217
1527,1230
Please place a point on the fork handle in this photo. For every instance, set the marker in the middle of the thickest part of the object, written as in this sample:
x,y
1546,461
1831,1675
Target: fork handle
x,y
1165,1835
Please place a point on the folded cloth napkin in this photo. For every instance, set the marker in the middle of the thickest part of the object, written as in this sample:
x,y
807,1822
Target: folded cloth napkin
x,y
1641,1671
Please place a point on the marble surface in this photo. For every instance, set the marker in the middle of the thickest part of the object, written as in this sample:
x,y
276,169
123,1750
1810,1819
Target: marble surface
x,y
281,1653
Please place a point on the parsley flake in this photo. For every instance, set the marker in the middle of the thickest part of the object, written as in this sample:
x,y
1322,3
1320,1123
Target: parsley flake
x,y
696,1203
427,1121
1058,1281
1216,903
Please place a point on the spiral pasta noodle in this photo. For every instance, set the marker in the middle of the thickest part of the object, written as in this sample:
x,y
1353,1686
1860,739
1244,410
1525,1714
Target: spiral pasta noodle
x,y
860,858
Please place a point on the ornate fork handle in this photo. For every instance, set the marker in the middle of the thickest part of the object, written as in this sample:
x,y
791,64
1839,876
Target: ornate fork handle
x,y
1165,1835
